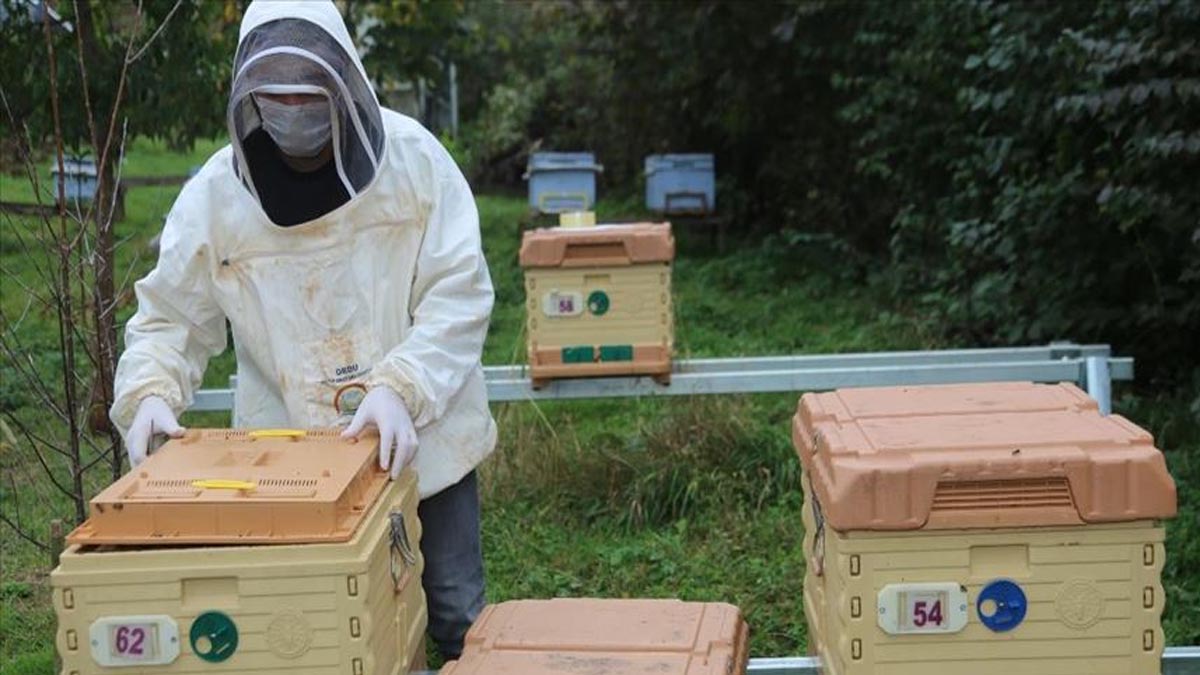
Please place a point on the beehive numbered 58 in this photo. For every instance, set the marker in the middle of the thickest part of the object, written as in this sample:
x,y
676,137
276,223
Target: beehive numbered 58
x,y
598,301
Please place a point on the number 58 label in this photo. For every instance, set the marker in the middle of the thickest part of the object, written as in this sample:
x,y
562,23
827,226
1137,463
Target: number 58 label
x,y
922,608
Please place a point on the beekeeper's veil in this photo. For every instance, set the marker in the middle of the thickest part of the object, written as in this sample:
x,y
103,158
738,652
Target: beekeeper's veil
x,y
303,48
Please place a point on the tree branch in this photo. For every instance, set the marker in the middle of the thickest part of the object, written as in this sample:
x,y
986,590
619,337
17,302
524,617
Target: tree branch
x,y
22,534
33,441
129,60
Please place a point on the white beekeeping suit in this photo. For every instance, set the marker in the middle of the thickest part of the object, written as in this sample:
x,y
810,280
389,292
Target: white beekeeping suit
x,y
388,288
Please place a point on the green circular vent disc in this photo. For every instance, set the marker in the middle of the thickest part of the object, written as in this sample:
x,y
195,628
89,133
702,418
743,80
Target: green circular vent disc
x,y
598,303
214,637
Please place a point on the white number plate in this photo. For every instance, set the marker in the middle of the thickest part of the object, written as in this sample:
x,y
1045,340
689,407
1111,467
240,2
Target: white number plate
x,y
145,640
562,303
922,608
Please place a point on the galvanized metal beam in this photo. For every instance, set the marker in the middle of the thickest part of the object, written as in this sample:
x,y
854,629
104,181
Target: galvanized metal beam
x,y
1090,366
1051,352
1175,661
213,400
1181,661
687,381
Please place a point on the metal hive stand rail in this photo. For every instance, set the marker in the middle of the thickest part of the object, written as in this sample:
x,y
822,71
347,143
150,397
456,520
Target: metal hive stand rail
x,y
1090,366
1175,661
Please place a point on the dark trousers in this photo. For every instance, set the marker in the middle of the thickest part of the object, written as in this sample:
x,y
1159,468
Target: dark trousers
x,y
453,577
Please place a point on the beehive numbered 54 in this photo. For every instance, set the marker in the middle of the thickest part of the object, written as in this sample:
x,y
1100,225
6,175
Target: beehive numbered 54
x,y
989,529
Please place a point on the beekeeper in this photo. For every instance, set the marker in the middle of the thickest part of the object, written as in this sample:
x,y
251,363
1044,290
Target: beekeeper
x,y
341,243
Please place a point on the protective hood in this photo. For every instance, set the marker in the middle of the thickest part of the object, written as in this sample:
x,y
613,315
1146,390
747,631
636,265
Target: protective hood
x,y
303,47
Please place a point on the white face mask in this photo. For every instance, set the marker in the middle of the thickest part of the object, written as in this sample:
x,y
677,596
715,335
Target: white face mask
x,y
300,130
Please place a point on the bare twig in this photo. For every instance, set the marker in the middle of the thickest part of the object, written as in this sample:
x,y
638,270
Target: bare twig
x,y
129,60
22,359
22,145
16,324
34,441
29,292
104,343
33,256
66,310
22,533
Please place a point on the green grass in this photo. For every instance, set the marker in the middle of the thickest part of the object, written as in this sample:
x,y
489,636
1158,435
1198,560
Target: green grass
x,y
684,497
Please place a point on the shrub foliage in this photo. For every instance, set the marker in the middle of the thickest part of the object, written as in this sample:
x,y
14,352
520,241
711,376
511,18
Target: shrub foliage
x,y
1019,171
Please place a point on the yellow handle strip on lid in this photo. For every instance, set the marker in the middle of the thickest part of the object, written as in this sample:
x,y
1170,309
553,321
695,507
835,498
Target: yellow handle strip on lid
x,y
223,484
278,433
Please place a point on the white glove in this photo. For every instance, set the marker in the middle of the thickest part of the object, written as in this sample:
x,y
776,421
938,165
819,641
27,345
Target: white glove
x,y
383,408
153,416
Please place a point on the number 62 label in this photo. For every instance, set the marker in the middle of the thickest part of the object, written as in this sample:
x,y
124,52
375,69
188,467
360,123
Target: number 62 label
x,y
922,608
134,640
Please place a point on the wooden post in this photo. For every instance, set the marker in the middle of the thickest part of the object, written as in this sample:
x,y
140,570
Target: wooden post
x,y
57,541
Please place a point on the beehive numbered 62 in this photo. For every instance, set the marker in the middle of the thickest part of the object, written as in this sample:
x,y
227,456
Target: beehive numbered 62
x,y
327,580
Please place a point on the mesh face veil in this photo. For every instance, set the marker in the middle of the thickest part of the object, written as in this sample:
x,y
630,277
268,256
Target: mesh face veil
x,y
296,56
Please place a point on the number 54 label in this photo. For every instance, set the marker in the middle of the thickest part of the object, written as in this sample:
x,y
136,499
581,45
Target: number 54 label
x,y
922,608
143,640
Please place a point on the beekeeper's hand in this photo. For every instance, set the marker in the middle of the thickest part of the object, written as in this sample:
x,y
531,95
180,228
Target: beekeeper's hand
x,y
383,408
153,416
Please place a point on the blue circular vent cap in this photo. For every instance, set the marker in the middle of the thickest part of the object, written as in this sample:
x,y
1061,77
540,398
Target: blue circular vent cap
x,y
1001,605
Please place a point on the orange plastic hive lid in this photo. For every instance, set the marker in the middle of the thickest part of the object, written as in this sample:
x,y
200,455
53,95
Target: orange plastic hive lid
x,y
597,246
605,637
978,455
238,487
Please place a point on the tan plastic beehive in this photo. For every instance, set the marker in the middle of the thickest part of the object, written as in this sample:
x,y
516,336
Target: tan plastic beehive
x,y
605,637
962,492
217,486
335,608
598,301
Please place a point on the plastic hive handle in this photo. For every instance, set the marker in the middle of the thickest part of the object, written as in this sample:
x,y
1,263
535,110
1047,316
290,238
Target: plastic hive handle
x,y
278,433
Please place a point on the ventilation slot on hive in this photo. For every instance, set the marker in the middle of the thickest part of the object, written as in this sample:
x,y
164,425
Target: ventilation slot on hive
x,y
1003,494
161,488
324,434
286,487
224,435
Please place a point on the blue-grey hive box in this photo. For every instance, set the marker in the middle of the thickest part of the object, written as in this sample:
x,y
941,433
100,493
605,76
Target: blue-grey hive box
x,y
681,183
78,178
560,182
